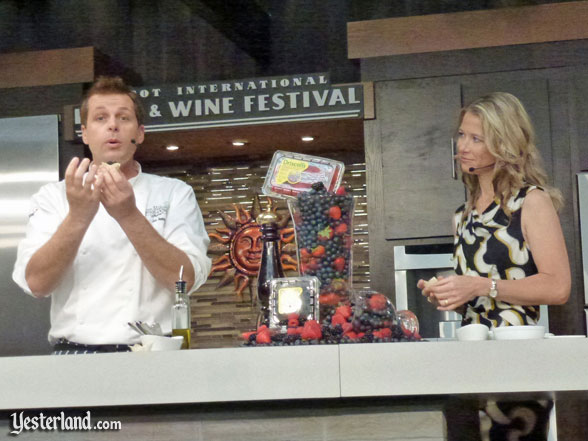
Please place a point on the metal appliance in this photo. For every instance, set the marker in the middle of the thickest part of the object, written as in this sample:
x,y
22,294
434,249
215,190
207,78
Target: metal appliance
x,y
583,214
30,158
414,262
425,261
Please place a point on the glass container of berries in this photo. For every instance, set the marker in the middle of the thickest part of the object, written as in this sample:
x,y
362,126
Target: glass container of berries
x,y
324,237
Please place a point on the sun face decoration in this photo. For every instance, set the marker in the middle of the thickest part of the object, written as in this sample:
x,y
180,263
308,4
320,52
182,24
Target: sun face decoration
x,y
240,246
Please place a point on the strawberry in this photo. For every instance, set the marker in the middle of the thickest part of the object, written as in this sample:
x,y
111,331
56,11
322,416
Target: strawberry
x,y
339,264
385,332
293,320
246,335
263,337
341,229
378,302
318,251
329,299
344,310
347,327
292,331
315,262
311,330
304,254
326,233
335,212
341,191
338,319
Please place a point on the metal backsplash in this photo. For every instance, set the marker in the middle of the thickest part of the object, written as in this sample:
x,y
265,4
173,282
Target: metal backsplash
x,y
29,159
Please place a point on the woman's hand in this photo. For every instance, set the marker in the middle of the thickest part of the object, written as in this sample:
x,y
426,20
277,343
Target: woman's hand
x,y
425,287
453,291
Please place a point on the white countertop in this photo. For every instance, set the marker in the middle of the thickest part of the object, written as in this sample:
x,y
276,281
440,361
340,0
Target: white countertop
x,y
299,372
479,367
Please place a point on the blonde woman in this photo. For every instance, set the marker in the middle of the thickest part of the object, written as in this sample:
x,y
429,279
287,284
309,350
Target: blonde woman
x,y
509,252
510,255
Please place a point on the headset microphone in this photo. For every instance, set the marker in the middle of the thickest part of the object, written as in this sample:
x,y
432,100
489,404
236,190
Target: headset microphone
x,y
133,141
472,169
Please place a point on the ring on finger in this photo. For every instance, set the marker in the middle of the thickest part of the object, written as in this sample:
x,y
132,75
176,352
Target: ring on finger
x,y
445,302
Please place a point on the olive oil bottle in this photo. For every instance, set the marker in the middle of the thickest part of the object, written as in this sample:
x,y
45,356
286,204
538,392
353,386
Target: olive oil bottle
x,y
181,312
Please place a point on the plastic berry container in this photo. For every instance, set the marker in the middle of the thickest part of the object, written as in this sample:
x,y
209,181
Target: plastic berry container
x,y
290,174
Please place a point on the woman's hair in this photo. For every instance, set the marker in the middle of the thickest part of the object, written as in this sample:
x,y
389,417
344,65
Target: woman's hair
x,y
510,138
109,86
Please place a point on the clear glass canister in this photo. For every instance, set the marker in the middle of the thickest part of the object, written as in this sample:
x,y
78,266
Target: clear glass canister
x,y
324,238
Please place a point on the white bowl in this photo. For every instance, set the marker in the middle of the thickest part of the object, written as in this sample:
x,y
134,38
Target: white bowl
x,y
525,332
473,332
161,343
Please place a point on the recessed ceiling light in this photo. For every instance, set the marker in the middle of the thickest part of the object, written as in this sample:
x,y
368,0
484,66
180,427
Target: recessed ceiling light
x,y
307,138
172,147
239,143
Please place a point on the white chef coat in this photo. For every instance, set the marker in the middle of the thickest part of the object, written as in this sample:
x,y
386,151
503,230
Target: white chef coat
x,y
108,285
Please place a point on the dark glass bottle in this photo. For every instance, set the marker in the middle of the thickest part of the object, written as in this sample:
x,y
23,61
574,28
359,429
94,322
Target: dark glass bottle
x,y
270,267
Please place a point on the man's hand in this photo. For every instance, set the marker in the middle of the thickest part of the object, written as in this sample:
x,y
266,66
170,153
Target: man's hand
x,y
161,258
49,264
117,194
83,195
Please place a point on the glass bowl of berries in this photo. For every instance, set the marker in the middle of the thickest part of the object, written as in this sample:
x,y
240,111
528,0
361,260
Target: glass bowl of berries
x,y
324,238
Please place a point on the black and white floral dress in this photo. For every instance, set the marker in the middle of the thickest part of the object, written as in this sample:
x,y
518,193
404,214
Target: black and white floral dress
x,y
492,245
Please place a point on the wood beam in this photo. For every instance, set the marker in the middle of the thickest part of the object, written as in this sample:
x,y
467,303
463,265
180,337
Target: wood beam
x,y
47,68
468,30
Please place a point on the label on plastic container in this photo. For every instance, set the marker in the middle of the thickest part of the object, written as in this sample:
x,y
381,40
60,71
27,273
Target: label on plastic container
x,y
292,173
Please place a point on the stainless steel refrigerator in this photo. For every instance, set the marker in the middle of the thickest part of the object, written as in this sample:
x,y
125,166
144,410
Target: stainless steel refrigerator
x,y
583,212
29,158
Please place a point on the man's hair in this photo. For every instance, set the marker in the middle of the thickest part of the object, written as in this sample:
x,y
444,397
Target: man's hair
x,y
108,86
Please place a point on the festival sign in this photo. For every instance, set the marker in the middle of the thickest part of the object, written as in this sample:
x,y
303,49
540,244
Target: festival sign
x,y
245,102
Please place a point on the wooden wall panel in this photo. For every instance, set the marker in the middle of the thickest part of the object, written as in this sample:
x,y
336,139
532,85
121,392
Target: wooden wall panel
x,y
47,68
218,315
467,30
